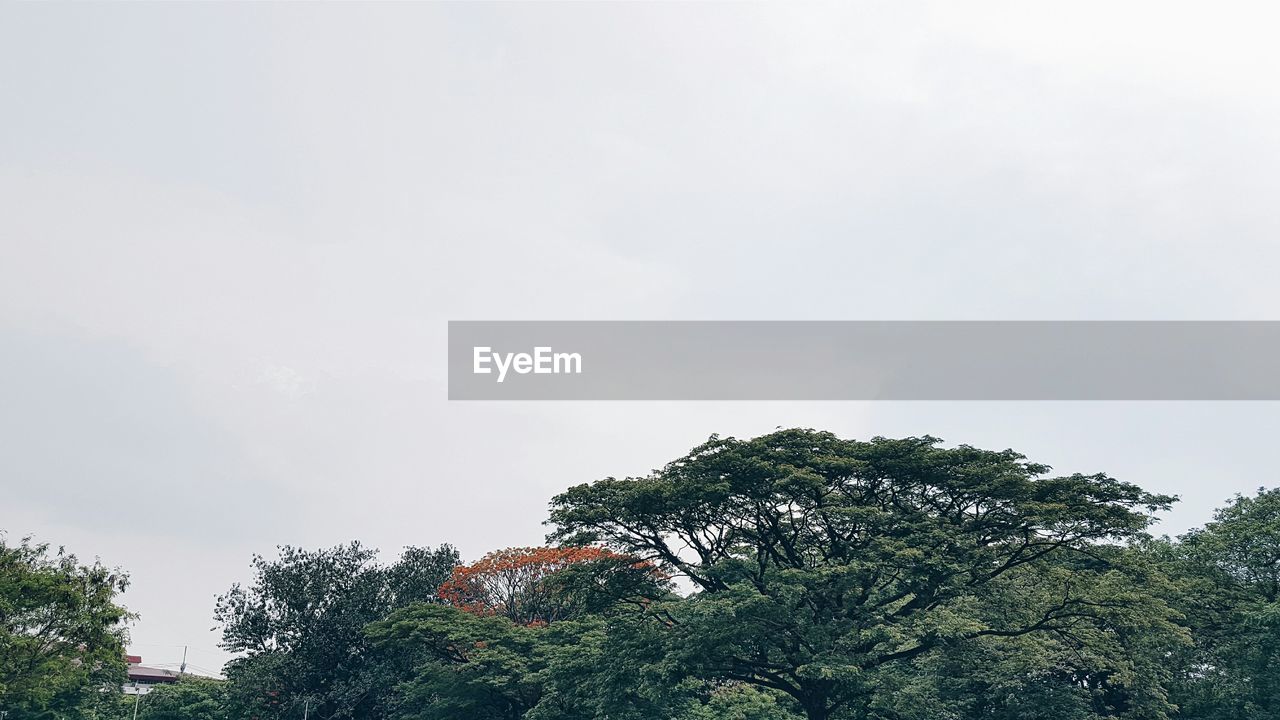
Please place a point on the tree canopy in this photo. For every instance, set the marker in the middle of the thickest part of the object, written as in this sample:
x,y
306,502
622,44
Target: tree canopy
x,y
793,576
301,627
820,564
1230,576
62,632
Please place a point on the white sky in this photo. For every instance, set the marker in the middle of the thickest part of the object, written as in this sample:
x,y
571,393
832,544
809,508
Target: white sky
x,y
231,235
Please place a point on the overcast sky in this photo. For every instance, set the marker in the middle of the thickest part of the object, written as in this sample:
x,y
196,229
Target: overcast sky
x,y
231,237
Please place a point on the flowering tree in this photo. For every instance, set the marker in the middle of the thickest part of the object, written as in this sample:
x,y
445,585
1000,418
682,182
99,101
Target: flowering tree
x,y
517,583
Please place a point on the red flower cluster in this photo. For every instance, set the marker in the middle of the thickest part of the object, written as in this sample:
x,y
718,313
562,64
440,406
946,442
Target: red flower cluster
x,y
513,582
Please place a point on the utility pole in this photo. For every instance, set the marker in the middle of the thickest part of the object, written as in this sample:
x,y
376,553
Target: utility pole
x,y
306,707
181,668
137,697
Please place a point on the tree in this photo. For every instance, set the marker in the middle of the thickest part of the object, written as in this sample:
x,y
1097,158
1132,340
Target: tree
x,y
1116,668
1230,575
482,667
1243,543
822,566
521,638
301,626
615,666
191,698
528,585
486,667
418,574
61,631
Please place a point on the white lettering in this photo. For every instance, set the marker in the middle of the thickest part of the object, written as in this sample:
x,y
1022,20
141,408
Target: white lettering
x,y
543,361
572,363
504,363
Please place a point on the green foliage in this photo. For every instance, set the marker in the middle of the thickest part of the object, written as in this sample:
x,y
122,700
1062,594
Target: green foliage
x,y
613,666
191,698
822,564
301,625
61,632
1112,664
104,702
736,701
610,667
830,579
1230,592
472,666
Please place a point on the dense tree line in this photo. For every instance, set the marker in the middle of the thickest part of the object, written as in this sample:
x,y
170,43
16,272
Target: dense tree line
x,y
794,576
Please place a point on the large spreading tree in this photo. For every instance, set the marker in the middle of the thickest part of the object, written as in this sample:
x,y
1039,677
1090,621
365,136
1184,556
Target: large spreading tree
x,y
828,569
